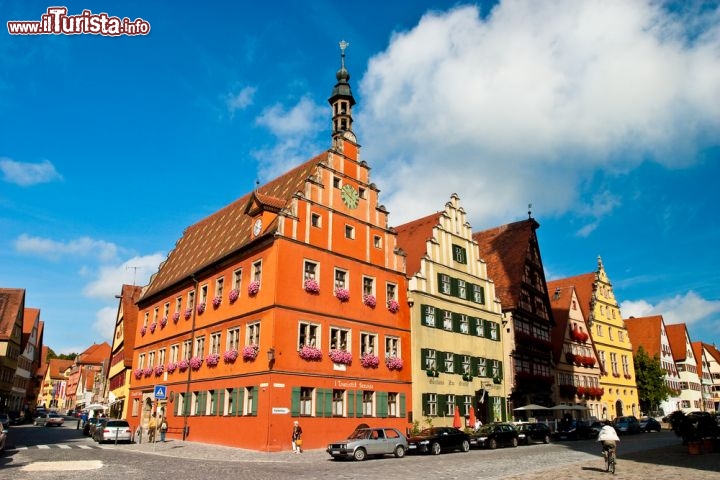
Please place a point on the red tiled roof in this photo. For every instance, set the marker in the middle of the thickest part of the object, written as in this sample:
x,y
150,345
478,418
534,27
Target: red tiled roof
x,y
412,237
228,229
504,250
31,314
129,297
584,285
12,300
712,351
94,355
560,305
57,367
645,332
677,336
698,351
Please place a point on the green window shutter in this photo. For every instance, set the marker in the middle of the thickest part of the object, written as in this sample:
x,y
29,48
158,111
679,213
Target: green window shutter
x,y
382,404
482,295
454,287
350,403
233,396
253,408
295,402
177,405
474,366
423,357
328,402
319,401
439,317
403,410
442,403
221,402
214,400
500,368
488,369
440,361
240,399
503,406
439,282
358,404
457,364
202,402
186,405
426,404
456,322
487,329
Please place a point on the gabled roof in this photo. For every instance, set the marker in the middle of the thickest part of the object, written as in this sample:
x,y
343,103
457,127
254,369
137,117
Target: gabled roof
x,y
228,229
584,285
128,298
57,367
714,352
31,315
412,237
678,338
504,249
645,332
94,355
12,301
560,303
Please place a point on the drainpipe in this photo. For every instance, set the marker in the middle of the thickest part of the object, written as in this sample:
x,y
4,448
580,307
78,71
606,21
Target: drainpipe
x,y
189,370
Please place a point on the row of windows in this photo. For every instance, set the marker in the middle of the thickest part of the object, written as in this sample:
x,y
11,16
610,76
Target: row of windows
x,y
528,367
326,402
459,322
236,283
460,288
311,271
600,333
449,362
436,404
541,332
577,380
308,334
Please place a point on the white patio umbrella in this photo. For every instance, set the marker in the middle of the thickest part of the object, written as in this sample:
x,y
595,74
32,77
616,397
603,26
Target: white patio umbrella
x,y
530,406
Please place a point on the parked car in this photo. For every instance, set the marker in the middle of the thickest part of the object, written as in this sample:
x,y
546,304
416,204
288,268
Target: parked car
x,y
112,431
533,432
439,439
649,424
3,438
364,442
89,425
595,428
627,424
575,429
4,421
49,419
496,434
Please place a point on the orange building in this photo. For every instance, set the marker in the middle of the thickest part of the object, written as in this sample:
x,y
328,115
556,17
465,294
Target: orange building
x,y
288,304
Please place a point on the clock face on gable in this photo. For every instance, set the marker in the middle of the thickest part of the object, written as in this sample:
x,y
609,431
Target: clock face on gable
x,y
350,196
257,227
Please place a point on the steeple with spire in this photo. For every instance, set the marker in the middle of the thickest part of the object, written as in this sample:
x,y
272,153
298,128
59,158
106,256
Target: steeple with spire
x,y
341,100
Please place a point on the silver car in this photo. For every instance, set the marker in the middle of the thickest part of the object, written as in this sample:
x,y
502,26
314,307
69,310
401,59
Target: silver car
x,y
49,419
369,441
113,431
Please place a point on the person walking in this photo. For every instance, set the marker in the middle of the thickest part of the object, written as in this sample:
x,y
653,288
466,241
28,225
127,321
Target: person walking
x,y
297,437
163,429
152,426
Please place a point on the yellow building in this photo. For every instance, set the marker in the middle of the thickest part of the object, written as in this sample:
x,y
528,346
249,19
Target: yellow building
x,y
54,384
456,332
120,368
611,340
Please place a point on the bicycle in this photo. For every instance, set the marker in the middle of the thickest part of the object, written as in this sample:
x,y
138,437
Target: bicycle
x,y
609,460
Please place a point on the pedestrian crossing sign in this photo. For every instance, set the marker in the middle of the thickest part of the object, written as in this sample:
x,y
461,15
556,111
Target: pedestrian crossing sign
x,y
160,392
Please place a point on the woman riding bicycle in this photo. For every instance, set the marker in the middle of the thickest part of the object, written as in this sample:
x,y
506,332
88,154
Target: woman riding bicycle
x,y
608,437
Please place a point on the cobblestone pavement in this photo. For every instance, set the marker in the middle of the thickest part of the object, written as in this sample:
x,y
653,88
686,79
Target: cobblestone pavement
x,y
667,463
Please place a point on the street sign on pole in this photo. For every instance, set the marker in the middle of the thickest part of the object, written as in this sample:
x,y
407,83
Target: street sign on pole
x,y
160,392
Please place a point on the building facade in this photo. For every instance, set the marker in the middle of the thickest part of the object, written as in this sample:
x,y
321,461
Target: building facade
x,y
577,371
120,366
650,334
512,254
687,365
713,368
287,305
12,311
456,323
54,385
703,358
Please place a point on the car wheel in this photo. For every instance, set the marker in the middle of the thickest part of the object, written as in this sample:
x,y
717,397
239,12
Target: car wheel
x,y
465,446
399,451
514,442
435,448
360,454
492,444
546,439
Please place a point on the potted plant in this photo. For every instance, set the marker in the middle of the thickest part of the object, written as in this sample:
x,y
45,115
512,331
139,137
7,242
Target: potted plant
x,y
196,362
233,295
217,300
368,360
311,286
393,306
159,370
201,308
143,330
230,356
138,373
212,359
250,352
171,367
310,353
153,326
176,317
342,294
340,356
432,372
253,288
163,322
188,313
369,300
183,365
393,363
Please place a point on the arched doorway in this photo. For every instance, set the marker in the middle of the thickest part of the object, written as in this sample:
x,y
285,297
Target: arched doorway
x,y
618,408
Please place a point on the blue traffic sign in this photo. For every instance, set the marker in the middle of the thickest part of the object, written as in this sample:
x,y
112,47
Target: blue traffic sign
x,y
160,392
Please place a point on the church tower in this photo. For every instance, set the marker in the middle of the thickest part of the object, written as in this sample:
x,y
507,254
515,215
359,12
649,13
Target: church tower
x,y
341,100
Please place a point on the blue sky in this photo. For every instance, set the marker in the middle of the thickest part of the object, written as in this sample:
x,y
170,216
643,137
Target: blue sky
x,y
604,115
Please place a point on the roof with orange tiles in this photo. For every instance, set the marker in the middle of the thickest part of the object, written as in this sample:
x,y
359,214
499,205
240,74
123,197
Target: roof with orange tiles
x,y
560,302
645,331
677,336
94,355
412,237
713,351
584,286
43,365
228,229
504,250
12,301
29,318
57,367
698,349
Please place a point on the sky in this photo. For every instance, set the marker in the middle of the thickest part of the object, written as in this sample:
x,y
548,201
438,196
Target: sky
x,y
603,115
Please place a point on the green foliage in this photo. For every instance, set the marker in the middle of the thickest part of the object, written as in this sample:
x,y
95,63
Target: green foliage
x,y
428,422
63,356
415,427
650,378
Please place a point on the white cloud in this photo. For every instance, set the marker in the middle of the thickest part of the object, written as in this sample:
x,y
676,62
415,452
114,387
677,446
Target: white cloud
x,y
104,325
28,174
295,128
533,99
80,247
240,100
690,308
110,279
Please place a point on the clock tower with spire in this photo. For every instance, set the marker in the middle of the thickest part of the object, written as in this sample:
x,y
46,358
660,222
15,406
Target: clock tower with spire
x,y
341,100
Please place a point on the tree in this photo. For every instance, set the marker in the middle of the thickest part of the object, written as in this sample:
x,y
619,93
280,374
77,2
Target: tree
x,y
63,356
650,379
